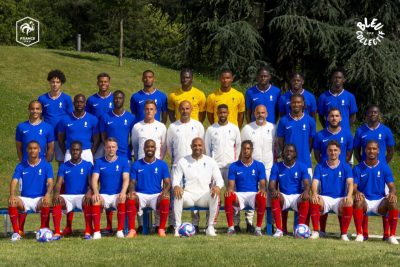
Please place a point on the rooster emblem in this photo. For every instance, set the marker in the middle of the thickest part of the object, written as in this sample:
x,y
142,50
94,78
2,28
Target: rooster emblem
x,y
27,27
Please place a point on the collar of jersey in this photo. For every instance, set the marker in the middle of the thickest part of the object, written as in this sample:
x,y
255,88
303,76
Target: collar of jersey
x,y
56,97
103,97
247,165
332,167
70,161
155,89
36,124
288,167
302,92
371,166
149,163
230,90
327,128
298,118
372,129
105,158
261,91
337,94
40,160
79,117
118,115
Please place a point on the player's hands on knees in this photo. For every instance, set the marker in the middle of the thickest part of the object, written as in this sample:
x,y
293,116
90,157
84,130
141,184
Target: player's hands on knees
x,y
274,193
305,196
215,191
46,200
228,192
131,195
96,198
262,193
348,201
315,199
56,200
392,198
165,194
88,198
122,197
359,196
12,201
178,192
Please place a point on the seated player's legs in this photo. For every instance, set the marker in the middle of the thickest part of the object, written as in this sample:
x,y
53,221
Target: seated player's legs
x,y
315,210
15,206
187,200
344,212
132,207
158,203
206,200
359,208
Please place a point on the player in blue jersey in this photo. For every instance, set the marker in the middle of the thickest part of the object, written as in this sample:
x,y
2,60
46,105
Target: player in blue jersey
x,y
332,190
292,180
101,102
338,97
149,92
79,126
310,104
112,172
263,93
76,174
35,179
56,104
299,129
246,187
145,189
371,176
35,129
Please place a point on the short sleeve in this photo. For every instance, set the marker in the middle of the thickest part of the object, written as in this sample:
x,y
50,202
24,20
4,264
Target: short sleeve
x,y
305,173
133,105
18,172
231,173
61,170
313,103
313,127
126,167
18,133
356,175
317,142
241,107
349,145
357,138
50,134
281,128
317,173
165,171
321,109
171,102
274,173
134,171
348,171
261,170
164,105
388,175
96,168
389,138
282,104
70,106
202,102
49,171
95,125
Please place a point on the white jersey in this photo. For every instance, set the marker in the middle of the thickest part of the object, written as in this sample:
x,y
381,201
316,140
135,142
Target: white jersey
x,y
180,136
222,143
263,138
197,176
142,131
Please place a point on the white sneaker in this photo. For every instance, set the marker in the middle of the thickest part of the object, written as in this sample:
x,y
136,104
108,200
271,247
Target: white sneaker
x,y
15,237
278,233
392,240
176,231
257,231
344,238
210,231
96,235
359,238
120,234
314,235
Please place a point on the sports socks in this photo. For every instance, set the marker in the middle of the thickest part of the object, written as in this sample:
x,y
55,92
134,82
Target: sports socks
x,y
57,215
109,216
393,218
164,210
21,219
13,212
277,212
131,211
87,212
261,203
346,219
315,215
303,211
358,215
229,208
386,225
121,216
96,213
322,222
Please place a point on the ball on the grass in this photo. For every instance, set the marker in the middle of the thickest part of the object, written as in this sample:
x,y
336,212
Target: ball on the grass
x,y
44,235
186,230
302,231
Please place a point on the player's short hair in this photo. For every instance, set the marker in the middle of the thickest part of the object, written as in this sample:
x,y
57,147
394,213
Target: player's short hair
x,y
295,73
57,74
290,145
149,102
225,70
187,70
33,142
333,143
338,69
35,102
334,109
79,95
103,74
221,106
372,141
247,142
263,68
76,142
118,92
148,71
297,95
111,139
148,141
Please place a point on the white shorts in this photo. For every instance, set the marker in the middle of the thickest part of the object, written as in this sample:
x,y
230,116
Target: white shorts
x,y
110,201
99,152
290,201
331,204
309,170
86,155
57,152
246,199
147,200
373,205
72,202
30,204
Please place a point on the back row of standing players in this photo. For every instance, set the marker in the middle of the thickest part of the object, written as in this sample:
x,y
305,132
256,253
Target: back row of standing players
x,y
102,116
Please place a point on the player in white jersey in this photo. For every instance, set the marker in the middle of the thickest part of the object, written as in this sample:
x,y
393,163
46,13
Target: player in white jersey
x,y
197,181
149,128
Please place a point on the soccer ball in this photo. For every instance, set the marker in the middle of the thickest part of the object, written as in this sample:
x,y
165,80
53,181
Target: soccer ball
x,y
44,235
186,230
302,231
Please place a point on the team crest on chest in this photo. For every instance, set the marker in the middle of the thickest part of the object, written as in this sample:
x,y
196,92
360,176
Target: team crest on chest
x,y
380,136
341,140
110,105
304,127
156,170
340,174
271,98
85,125
253,172
296,175
125,122
60,105
343,102
379,174
40,171
81,170
40,132
117,168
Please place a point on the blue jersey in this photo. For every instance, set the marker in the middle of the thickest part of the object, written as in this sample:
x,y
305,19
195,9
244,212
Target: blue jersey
x,y
333,180
110,174
371,181
33,179
382,134
345,102
246,177
79,129
149,176
139,98
98,105
55,109
344,137
298,132
268,98
76,176
119,127
27,132
290,179
310,104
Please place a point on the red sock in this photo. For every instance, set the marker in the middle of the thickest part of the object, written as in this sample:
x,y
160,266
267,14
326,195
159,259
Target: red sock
x,y
315,216
386,225
229,208
365,226
57,215
303,208
44,217
261,203
164,211
340,221
121,216
322,222
70,218
393,218
308,218
87,212
13,212
21,220
96,215
346,219
109,214
277,212
358,215
284,220
132,211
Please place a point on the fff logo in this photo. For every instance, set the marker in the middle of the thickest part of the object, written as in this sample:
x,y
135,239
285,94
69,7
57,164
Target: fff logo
x,y
27,31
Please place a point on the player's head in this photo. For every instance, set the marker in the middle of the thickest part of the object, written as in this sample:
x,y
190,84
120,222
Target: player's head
x,y
35,109
186,77
297,80
149,148
150,109
261,114
289,153
372,149
103,81
222,113
76,150
197,147
111,147
333,150
246,149
226,78
373,114
263,76
334,117
338,77
185,109
119,99
297,103
56,79
79,102
33,149
148,78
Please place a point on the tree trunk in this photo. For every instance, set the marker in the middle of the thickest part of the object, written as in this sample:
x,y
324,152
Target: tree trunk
x,y
121,41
